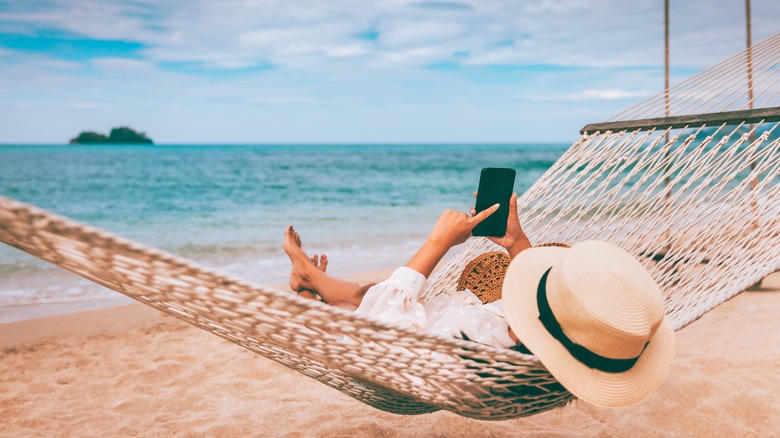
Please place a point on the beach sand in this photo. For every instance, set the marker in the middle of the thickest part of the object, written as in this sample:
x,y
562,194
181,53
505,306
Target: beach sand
x,y
133,371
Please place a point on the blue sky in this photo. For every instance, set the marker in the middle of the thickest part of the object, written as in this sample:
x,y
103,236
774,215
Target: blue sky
x,y
204,71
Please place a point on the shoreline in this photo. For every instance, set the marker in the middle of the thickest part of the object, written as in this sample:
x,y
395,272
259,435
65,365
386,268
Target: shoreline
x,y
101,297
27,312
131,370
112,317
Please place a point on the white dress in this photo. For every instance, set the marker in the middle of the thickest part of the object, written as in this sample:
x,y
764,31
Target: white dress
x,y
450,313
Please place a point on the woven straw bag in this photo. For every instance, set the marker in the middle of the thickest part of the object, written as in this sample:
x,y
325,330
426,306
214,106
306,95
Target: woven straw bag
x,y
484,274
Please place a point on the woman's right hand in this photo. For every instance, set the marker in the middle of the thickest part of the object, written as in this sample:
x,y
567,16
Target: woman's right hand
x,y
453,227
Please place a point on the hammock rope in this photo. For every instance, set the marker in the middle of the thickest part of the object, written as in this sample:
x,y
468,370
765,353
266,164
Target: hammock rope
x,y
706,235
713,86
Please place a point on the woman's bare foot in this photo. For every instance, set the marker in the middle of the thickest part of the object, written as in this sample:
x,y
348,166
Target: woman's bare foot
x,y
320,262
300,274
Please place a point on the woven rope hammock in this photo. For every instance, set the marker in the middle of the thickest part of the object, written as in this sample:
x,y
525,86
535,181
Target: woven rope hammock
x,y
695,196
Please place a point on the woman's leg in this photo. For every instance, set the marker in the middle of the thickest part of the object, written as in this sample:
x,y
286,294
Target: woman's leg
x,y
306,276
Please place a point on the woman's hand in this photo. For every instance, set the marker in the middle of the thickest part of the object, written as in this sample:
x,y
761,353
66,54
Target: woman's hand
x,y
453,227
514,240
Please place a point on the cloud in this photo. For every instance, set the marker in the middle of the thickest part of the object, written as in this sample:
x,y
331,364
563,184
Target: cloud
x,y
411,56
591,94
442,6
124,66
92,106
346,51
406,33
285,100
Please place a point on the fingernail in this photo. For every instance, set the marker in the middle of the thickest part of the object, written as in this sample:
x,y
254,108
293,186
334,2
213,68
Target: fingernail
x,y
496,205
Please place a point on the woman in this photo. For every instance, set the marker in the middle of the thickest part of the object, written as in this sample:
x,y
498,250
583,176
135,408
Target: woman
x,y
590,313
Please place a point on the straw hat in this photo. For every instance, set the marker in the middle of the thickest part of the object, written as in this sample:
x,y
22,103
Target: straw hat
x,y
602,332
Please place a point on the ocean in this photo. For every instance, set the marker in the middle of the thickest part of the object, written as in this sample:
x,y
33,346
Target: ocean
x,y
366,206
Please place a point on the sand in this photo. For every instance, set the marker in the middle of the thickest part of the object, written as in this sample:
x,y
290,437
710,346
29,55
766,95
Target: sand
x,y
133,371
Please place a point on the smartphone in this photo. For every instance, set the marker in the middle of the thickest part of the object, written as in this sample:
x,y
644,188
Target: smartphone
x,y
495,187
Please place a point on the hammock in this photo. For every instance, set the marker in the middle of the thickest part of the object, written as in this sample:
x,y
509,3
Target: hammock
x,y
682,180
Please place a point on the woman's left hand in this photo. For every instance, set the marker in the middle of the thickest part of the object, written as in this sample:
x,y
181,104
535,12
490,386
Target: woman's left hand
x,y
514,239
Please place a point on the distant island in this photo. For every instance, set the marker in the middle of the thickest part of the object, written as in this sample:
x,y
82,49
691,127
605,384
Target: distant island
x,y
121,135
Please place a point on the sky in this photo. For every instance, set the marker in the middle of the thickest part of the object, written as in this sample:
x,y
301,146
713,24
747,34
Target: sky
x,y
348,71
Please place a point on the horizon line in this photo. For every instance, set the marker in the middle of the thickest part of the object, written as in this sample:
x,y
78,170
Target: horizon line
x,y
422,143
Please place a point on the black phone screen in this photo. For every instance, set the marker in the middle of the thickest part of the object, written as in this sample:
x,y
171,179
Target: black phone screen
x,y
495,187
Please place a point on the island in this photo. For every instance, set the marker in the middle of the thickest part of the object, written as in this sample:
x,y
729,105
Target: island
x,y
121,135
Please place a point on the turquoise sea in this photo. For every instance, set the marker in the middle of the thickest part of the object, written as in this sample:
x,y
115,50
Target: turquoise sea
x,y
366,206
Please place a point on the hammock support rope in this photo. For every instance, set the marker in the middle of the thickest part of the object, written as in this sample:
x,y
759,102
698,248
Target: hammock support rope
x,y
708,234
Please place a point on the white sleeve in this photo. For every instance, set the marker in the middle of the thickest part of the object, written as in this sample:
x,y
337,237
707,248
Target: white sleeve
x,y
397,299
